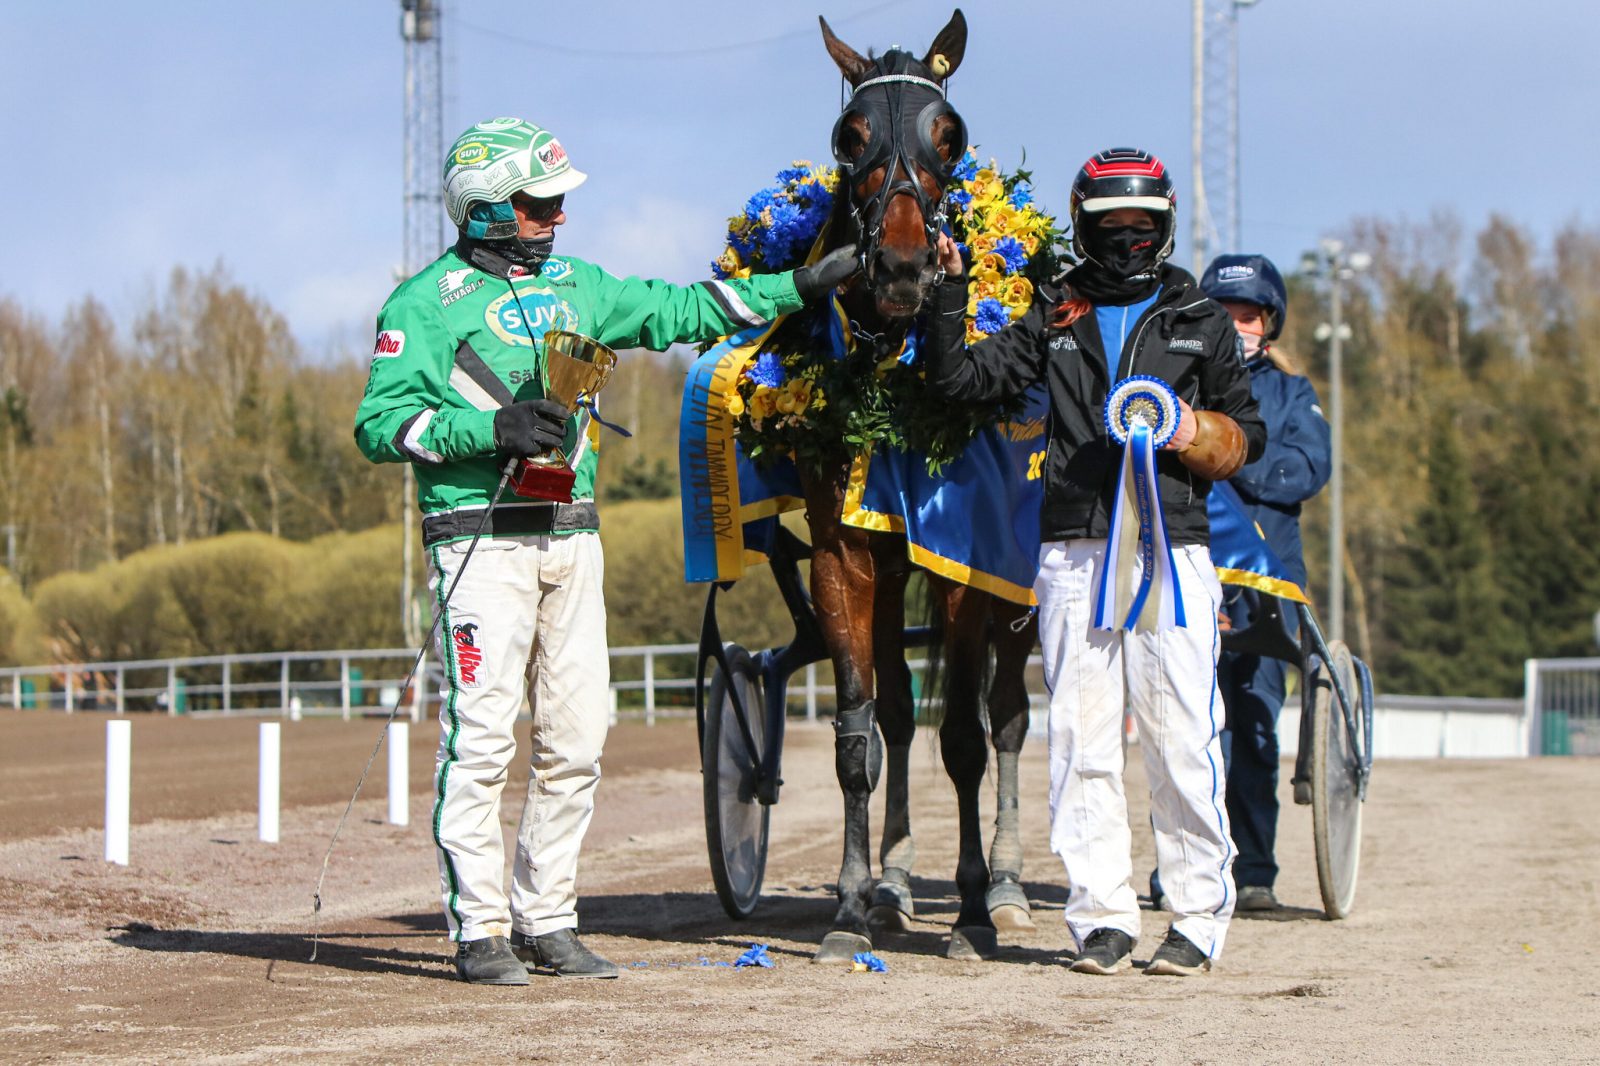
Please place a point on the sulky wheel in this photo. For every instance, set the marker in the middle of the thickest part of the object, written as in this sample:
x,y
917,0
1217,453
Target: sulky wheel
x,y
1336,783
736,821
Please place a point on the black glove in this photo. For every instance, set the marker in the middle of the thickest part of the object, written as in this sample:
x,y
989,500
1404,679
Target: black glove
x,y
829,272
530,428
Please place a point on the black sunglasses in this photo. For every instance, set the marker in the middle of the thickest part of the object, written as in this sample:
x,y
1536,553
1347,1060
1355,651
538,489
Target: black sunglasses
x,y
541,209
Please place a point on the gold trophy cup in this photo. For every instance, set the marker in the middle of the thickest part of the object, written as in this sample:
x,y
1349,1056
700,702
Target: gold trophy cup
x,y
575,368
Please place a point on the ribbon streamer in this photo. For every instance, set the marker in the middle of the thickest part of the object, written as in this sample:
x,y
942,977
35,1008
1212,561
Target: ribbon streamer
x,y
1139,588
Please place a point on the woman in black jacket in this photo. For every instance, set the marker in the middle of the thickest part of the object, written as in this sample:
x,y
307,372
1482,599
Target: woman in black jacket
x,y
1123,312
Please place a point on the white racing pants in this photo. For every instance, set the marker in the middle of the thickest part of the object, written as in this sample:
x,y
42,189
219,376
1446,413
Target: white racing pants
x,y
1168,679
527,624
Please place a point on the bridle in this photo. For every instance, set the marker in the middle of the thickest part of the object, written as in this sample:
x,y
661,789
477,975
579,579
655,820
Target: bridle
x,y
900,117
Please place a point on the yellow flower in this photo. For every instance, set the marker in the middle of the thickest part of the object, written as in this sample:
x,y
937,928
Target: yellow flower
x,y
986,289
983,244
731,265
984,189
735,403
989,265
800,389
830,179
818,399
1016,291
763,404
973,336
1003,219
1030,244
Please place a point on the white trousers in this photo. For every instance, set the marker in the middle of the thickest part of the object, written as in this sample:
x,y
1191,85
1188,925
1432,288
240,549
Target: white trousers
x,y
1168,679
527,624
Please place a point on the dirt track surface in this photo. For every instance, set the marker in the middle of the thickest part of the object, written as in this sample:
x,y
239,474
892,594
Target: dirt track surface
x,y
1472,941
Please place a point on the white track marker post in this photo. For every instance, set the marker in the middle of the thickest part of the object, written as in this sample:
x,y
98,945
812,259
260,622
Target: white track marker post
x,y
270,735
399,773
119,743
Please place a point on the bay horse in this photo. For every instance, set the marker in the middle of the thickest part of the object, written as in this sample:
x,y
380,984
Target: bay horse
x,y
897,142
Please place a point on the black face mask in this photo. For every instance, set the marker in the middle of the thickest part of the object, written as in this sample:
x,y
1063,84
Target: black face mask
x,y
498,255
1123,251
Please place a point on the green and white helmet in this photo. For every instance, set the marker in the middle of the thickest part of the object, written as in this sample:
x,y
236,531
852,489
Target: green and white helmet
x,y
494,159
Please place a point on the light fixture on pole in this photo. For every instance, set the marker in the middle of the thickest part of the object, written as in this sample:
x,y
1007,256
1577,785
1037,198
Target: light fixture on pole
x,y
1331,263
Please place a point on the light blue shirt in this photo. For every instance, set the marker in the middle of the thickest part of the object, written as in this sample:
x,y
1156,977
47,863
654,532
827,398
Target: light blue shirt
x,y
1116,327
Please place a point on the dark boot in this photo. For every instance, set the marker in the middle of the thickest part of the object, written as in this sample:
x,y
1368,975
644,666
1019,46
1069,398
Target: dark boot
x,y
560,953
489,961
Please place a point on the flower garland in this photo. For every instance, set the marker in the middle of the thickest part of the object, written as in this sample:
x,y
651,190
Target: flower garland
x,y
778,224
798,398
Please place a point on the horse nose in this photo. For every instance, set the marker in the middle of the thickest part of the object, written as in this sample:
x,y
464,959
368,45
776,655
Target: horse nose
x,y
895,265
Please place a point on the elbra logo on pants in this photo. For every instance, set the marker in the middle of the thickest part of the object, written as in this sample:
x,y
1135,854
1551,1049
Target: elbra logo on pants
x,y
468,656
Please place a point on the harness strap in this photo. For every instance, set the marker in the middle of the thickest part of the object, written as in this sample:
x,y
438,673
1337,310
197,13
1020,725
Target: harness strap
x,y
911,79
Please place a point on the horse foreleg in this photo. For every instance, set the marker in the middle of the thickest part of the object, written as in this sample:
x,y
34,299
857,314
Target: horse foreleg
x,y
964,751
842,575
1008,724
891,898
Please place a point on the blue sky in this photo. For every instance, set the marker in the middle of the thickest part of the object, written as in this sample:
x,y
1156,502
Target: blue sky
x,y
266,136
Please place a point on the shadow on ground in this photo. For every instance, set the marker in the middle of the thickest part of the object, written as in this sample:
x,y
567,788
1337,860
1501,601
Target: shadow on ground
x,y
691,920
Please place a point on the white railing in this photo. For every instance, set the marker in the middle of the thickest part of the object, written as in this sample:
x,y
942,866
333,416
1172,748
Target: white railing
x,y
1559,714
341,682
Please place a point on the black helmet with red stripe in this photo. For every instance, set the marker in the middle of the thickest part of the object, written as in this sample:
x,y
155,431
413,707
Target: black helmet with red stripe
x,y
1124,177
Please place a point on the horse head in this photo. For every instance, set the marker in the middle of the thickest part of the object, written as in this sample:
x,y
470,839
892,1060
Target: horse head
x,y
897,142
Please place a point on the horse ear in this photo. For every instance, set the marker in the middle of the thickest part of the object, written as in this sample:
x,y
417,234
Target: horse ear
x,y
950,46
852,64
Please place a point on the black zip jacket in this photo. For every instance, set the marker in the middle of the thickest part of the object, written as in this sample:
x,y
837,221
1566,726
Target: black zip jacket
x,y
1183,338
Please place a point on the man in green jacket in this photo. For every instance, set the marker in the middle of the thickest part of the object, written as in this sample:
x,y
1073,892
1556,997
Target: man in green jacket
x,y
455,388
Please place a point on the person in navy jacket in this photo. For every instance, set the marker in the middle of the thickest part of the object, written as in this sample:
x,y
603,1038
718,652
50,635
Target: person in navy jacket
x,y
1294,467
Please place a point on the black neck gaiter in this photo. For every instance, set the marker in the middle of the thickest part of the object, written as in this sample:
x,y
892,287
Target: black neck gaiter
x,y
508,257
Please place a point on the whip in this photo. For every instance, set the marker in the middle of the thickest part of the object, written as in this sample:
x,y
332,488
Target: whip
x,y
316,907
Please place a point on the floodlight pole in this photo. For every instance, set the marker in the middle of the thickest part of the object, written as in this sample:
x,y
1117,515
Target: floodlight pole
x,y
1332,263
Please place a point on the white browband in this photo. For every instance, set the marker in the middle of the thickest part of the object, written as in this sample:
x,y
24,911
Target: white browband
x,y
884,79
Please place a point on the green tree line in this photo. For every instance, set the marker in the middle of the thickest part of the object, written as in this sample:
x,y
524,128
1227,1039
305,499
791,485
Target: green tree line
x,y
127,449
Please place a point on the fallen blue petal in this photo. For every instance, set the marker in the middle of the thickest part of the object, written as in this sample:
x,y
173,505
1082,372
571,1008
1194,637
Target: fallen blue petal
x,y
866,961
756,956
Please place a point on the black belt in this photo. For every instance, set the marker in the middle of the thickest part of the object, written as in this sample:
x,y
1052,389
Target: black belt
x,y
511,520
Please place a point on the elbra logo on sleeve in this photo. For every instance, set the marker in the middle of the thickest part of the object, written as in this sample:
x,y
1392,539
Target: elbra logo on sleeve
x,y
391,342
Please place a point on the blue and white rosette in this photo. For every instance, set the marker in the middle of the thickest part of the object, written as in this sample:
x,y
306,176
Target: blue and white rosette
x,y
1138,587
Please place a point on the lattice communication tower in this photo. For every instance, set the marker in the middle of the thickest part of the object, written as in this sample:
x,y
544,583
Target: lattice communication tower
x,y
1215,219
422,224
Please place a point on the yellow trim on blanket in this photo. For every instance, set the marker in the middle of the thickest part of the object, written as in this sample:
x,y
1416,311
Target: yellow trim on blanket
x,y
965,575
730,538
776,505
1272,586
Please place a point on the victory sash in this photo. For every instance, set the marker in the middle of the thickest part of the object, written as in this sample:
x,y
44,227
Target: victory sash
x,y
1139,587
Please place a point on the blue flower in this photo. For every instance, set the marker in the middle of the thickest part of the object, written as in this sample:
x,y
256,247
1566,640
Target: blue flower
x,y
756,956
717,271
760,202
769,371
991,317
1010,249
794,173
867,961
1022,195
961,198
967,168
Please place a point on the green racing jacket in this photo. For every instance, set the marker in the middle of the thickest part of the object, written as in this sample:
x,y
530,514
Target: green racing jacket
x,y
456,343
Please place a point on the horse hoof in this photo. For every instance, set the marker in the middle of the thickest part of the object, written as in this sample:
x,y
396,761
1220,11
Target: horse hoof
x,y
889,918
892,896
840,946
1012,919
1008,907
972,943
